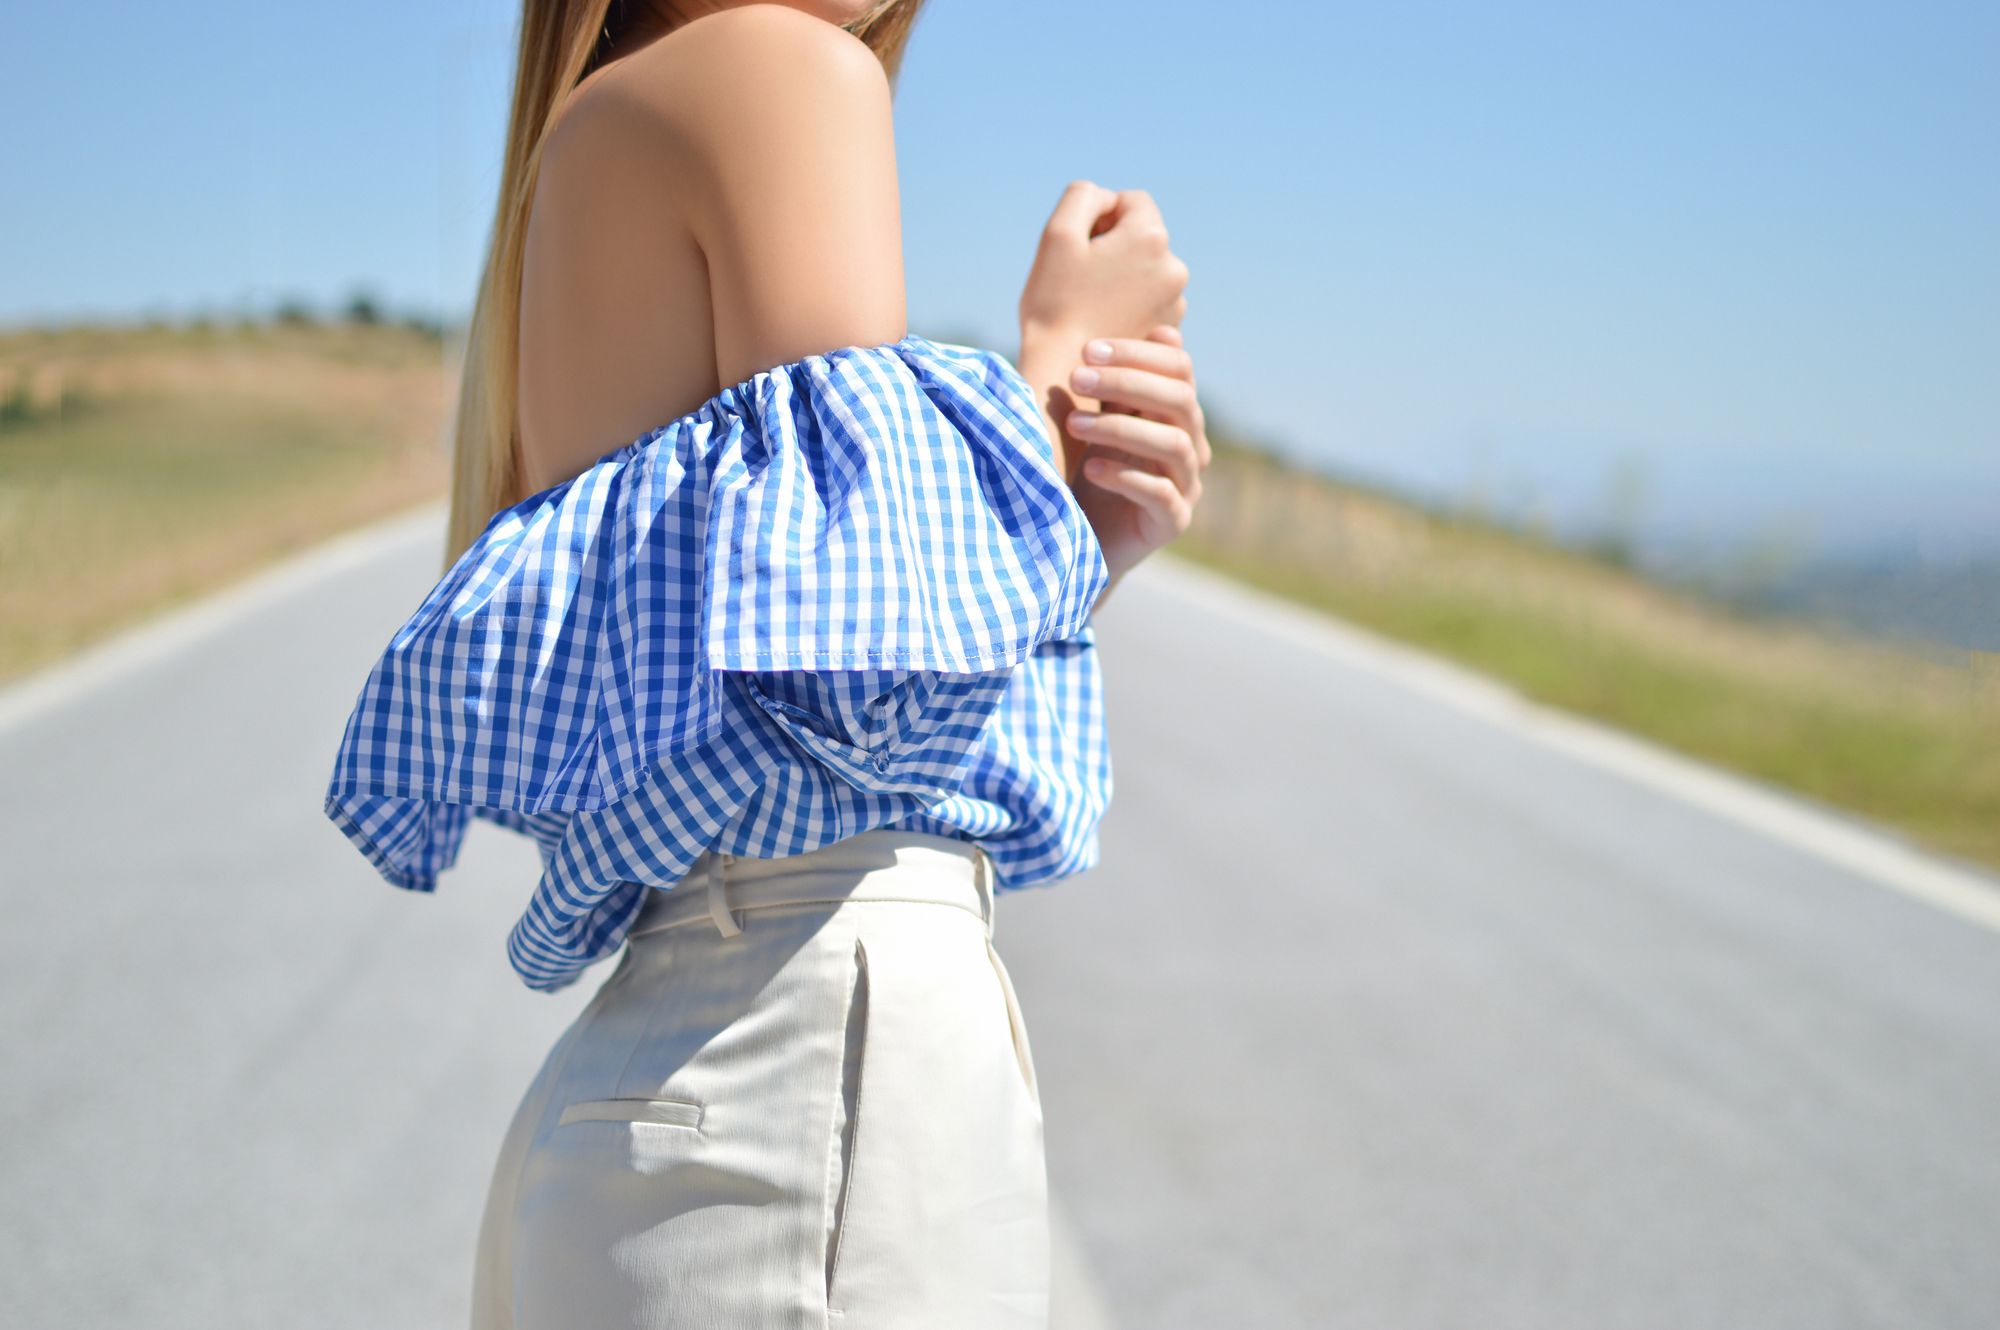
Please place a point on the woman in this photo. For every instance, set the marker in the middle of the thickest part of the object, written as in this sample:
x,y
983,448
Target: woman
x,y
785,689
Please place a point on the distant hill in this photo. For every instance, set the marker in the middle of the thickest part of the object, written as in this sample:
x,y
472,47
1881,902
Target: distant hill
x,y
1921,603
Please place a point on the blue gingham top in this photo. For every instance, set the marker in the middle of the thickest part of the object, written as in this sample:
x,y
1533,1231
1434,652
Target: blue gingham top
x,y
847,592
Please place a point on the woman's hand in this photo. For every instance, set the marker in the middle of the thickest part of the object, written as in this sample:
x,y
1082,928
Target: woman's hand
x,y
1102,269
1105,297
1144,452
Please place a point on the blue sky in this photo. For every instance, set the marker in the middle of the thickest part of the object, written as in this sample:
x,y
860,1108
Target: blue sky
x,y
1497,250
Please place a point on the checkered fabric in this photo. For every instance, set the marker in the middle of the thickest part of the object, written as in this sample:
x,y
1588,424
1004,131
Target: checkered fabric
x,y
847,592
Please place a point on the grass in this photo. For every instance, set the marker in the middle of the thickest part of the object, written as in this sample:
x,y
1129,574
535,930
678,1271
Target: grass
x,y
142,466
1909,739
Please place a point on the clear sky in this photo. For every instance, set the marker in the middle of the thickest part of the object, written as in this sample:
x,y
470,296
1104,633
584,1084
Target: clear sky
x,y
1749,249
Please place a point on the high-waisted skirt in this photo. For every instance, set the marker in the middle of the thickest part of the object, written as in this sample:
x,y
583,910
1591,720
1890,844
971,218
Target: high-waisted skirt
x,y
803,1098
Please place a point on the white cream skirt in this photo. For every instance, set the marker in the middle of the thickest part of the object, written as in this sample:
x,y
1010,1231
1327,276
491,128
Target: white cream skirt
x,y
803,1098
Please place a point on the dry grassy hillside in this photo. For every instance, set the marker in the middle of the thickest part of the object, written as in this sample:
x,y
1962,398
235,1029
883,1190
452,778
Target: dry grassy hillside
x,y
140,466
1908,738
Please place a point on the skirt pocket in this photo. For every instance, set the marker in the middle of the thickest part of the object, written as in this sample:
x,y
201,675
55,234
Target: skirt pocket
x,y
939,1216
847,1111
656,1112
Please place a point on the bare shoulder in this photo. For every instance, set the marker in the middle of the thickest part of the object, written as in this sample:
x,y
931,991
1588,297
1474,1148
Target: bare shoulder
x,y
775,39
719,201
768,134
764,79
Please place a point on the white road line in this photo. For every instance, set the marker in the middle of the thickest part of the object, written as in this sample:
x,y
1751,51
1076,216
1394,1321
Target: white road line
x,y
174,631
1860,849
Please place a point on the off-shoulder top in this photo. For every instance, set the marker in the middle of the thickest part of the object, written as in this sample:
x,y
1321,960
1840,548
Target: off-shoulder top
x,y
847,592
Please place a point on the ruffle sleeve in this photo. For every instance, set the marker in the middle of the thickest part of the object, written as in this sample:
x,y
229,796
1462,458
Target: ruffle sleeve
x,y
852,550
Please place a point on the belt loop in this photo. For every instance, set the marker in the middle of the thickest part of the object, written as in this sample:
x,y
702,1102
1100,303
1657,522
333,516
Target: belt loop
x,y
718,899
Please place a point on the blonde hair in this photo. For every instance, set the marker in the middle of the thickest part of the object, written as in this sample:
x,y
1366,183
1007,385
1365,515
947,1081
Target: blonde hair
x,y
559,46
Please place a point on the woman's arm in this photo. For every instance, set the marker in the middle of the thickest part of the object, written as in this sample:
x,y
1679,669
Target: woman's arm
x,y
719,201
774,127
1103,268
1101,348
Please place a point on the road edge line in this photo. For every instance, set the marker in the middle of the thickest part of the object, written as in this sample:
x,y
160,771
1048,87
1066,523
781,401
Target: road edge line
x,y
1834,836
173,630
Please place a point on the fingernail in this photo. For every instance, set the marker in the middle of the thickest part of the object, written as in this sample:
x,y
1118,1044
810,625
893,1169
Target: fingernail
x,y
1082,421
1098,350
1085,378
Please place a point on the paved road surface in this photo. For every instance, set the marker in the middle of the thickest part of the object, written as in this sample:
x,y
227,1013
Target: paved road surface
x,y
1376,1014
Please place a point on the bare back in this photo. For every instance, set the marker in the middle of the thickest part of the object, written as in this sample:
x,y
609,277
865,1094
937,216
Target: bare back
x,y
722,200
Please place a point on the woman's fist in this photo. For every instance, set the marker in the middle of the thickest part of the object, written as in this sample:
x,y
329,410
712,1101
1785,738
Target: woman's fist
x,y
1102,268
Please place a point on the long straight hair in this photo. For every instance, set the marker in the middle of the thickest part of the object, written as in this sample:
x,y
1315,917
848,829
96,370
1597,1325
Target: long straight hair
x,y
561,42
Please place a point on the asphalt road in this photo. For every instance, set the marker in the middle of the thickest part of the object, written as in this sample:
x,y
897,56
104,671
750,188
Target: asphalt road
x,y
1378,1012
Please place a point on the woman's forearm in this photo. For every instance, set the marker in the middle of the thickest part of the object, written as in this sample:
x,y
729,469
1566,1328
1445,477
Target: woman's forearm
x,y
1046,358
